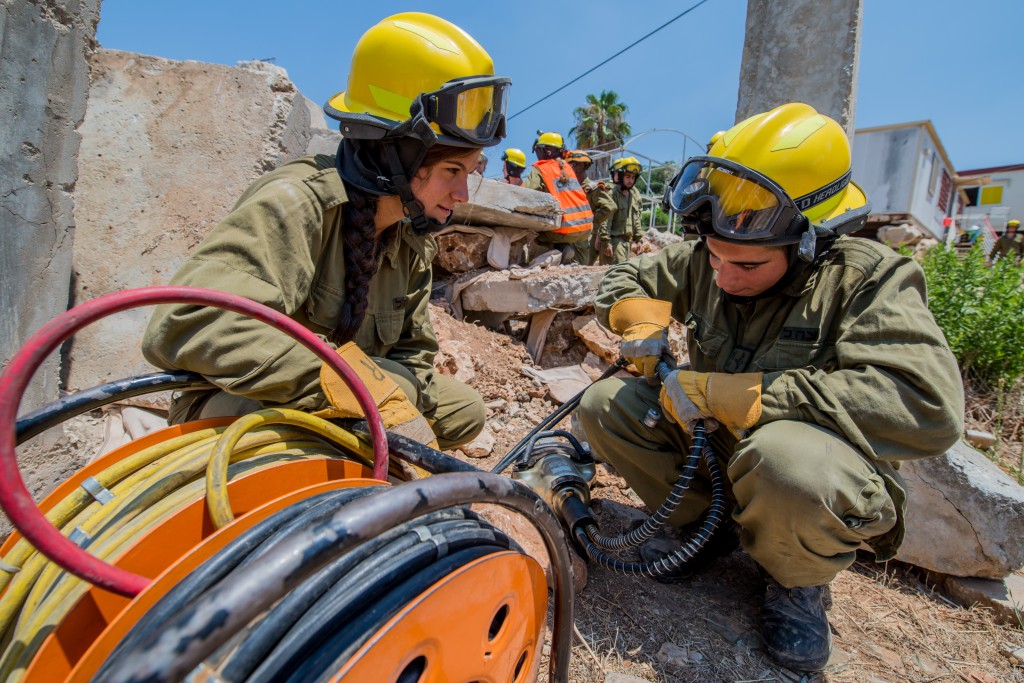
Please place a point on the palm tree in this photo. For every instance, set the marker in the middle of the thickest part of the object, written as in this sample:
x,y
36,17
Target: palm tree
x,y
601,124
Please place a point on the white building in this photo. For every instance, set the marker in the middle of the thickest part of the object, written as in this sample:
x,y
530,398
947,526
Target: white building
x,y
906,174
996,193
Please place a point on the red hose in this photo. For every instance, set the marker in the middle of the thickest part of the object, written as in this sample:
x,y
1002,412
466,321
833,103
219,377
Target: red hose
x,y
15,499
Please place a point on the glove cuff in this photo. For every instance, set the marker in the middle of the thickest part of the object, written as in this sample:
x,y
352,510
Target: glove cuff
x,y
639,309
735,399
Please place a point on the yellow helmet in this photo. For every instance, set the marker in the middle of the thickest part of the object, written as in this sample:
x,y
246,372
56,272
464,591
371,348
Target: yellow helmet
x,y
1013,223
549,139
514,157
715,138
416,64
805,153
627,165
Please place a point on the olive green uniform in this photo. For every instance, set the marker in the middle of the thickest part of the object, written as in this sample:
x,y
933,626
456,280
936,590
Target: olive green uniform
x,y
622,228
580,241
282,246
603,206
857,376
1007,247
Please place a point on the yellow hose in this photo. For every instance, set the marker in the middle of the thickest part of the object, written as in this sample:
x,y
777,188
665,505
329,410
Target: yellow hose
x,y
57,592
71,505
216,473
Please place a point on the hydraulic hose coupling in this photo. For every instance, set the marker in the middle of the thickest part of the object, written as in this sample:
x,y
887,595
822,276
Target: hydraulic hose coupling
x,y
556,471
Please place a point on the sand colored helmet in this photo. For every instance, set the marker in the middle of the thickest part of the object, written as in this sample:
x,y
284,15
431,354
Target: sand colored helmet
x,y
418,65
578,156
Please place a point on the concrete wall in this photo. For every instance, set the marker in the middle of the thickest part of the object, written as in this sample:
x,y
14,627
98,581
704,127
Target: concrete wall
x,y
43,88
884,165
801,51
167,149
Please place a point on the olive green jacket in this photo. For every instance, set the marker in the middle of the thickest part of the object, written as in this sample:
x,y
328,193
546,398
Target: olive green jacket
x,y
282,245
624,222
849,345
1005,246
534,180
599,195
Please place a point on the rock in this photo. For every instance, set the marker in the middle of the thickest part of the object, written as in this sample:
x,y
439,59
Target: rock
x,y
500,204
598,339
623,678
559,287
675,658
593,366
1005,597
897,235
980,439
459,252
167,149
481,446
965,517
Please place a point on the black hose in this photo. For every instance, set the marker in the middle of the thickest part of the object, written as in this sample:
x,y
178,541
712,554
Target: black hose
x,y
38,421
221,612
680,559
655,522
348,641
322,632
208,574
244,659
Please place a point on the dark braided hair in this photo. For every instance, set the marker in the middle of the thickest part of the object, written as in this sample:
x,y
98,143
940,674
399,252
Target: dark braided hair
x,y
363,248
362,254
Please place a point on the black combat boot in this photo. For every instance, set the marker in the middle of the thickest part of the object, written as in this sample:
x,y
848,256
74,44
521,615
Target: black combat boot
x,y
795,627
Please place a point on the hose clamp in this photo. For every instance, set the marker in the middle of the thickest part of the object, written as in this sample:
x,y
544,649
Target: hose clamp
x,y
100,493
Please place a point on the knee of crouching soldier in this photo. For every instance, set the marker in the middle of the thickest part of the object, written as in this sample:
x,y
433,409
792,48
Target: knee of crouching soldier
x,y
774,458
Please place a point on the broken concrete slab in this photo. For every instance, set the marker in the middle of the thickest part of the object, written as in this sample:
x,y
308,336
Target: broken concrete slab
x,y
157,171
498,204
460,252
1005,597
563,287
965,517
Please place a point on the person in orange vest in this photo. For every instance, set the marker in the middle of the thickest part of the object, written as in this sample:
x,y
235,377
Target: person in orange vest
x,y
514,165
552,174
599,197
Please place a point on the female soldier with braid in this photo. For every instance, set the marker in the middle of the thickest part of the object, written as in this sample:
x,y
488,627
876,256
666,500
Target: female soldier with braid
x,y
342,243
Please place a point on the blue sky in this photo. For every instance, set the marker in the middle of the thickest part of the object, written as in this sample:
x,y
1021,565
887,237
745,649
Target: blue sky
x,y
958,64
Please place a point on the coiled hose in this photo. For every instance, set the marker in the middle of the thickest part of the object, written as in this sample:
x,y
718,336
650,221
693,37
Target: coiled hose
x,y
152,487
14,496
405,539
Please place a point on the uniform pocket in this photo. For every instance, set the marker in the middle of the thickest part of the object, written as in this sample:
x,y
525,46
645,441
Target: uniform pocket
x,y
389,326
324,305
708,340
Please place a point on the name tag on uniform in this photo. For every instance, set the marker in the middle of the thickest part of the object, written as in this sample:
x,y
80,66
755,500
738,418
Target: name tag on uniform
x,y
801,334
400,302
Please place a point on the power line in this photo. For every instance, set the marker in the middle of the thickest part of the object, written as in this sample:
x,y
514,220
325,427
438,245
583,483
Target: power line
x,y
595,68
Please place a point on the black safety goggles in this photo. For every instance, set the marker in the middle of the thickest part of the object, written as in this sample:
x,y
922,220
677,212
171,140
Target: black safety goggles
x,y
743,204
471,109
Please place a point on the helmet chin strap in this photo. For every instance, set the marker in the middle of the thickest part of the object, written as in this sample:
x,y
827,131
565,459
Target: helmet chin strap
x,y
421,223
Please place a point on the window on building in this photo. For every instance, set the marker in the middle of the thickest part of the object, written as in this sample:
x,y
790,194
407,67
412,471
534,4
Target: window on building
x,y
945,186
985,195
991,194
934,176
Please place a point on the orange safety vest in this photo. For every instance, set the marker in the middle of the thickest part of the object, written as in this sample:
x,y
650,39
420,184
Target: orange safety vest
x,y
561,182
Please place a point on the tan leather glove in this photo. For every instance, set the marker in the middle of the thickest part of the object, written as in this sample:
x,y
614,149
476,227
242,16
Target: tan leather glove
x,y
643,324
396,410
730,400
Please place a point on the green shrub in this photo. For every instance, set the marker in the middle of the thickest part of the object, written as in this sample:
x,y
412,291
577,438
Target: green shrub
x,y
980,309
